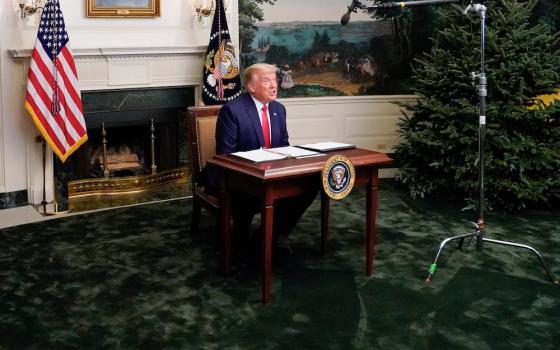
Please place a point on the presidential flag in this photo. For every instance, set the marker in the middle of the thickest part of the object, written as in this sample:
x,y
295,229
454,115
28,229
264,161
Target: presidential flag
x,y
221,81
53,94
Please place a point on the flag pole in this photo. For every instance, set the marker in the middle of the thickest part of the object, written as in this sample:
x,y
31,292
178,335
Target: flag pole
x,y
55,109
44,201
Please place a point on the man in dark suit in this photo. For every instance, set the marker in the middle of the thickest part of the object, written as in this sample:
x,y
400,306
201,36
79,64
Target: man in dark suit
x,y
240,126
251,121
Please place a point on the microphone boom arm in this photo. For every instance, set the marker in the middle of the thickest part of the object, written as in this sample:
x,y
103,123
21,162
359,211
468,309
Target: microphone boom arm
x,y
357,4
403,4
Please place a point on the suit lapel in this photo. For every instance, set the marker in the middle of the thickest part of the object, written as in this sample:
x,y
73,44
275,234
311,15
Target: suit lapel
x,y
274,125
251,110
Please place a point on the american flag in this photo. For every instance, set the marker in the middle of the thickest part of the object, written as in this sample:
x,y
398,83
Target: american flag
x,y
53,92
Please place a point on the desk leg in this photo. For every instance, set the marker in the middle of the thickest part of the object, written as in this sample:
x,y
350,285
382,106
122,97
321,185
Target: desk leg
x,y
266,222
325,205
371,210
225,230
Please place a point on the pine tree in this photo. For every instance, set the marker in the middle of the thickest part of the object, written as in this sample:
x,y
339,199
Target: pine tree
x,y
440,135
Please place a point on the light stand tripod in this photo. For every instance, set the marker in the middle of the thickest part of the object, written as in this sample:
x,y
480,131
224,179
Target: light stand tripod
x,y
478,234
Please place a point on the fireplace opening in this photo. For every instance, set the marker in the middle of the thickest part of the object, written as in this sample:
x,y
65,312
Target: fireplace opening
x,y
128,150
136,141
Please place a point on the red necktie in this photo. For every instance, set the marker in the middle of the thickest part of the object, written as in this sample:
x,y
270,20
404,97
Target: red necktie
x,y
265,127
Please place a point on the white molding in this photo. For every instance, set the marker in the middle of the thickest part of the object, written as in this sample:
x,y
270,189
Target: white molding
x,y
129,73
295,101
2,140
367,121
134,67
122,51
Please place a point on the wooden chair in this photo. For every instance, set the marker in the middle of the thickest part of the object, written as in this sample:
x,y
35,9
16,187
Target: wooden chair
x,y
201,133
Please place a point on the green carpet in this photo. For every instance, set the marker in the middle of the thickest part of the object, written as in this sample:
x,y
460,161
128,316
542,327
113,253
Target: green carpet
x,y
136,278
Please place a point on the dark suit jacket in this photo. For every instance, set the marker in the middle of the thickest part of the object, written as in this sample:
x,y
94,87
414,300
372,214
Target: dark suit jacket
x,y
239,126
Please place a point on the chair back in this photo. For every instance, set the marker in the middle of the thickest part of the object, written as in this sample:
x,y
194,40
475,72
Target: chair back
x,y
201,133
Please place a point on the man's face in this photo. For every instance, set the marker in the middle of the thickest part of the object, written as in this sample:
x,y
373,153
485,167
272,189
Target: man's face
x,y
263,86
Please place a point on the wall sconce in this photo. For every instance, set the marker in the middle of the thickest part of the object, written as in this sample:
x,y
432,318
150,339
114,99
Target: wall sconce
x,y
203,9
30,7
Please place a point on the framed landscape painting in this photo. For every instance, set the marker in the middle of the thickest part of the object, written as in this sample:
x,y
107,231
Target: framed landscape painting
x,y
123,8
316,56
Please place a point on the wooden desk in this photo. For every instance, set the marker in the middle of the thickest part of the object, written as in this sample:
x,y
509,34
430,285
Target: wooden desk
x,y
271,181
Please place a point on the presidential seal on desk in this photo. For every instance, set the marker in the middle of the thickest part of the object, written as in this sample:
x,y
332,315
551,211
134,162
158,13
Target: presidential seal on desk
x,y
338,177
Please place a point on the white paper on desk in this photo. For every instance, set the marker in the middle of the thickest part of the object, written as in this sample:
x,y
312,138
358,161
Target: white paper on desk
x,y
259,155
294,152
327,146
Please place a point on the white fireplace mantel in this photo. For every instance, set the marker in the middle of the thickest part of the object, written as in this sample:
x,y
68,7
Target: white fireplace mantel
x,y
134,67
112,68
122,51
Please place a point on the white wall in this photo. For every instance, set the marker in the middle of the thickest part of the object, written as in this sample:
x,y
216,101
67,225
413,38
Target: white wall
x,y
2,167
15,130
366,121
175,27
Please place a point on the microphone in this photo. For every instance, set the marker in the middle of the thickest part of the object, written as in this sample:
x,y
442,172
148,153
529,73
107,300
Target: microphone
x,y
352,8
403,4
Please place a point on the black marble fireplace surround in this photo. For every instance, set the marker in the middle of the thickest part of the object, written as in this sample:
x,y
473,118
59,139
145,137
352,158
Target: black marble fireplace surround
x,y
126,115
13,199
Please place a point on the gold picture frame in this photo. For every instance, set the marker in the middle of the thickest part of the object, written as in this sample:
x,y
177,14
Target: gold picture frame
x,y
122,8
